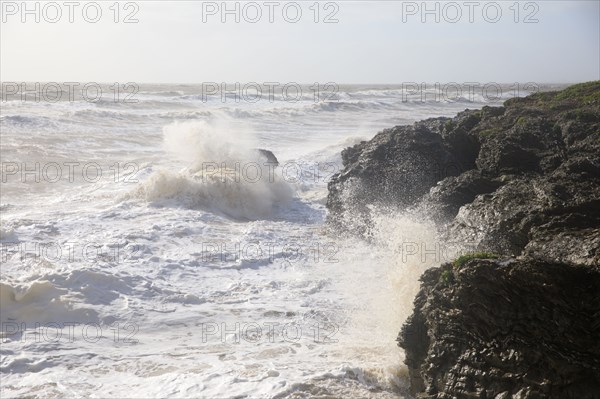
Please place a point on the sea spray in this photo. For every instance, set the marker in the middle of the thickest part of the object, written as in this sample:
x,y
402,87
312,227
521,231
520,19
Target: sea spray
x,y
196,142
167,287
222,172
378,277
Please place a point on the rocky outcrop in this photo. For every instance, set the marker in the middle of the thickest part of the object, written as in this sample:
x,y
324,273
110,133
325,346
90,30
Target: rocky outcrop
x,y
519,179
494,329
397,167
268,156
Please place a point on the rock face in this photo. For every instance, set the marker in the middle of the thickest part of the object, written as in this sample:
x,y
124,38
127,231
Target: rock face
x,y
515,329
268,156
398,166
519,179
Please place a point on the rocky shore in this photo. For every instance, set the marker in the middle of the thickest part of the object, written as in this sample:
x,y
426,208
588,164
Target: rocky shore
x,y
505,329
521,182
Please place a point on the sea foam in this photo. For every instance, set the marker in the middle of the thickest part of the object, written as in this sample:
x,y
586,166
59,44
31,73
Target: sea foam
x,y
222,171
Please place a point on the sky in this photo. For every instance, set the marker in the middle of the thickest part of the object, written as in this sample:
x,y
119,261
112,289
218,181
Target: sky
x,y
350,42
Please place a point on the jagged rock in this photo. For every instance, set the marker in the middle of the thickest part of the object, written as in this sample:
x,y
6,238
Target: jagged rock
x,y
397,167
268,156
450,194
522,178
505,329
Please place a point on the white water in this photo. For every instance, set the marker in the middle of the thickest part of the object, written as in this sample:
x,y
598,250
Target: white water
x,y
169,252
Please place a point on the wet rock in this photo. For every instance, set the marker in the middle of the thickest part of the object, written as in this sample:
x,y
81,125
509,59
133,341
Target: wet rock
x,y
397,167
505,329
519,179
522,181
268,156
446,198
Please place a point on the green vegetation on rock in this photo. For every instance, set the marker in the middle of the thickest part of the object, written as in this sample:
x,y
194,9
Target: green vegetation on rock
x,y
490,132
447,277
476,255
579,95
586,93
522,120
449,125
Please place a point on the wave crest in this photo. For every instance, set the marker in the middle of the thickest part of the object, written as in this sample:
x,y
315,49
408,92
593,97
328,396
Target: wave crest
x,y
224,173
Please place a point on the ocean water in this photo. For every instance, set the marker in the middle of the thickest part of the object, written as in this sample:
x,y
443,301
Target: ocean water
x,y
149,251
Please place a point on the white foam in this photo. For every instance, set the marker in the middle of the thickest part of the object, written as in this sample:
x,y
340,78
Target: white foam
x,y
226,193
161,282
40,302
222,172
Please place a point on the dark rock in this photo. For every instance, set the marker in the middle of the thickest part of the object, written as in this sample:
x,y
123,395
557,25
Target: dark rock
x,y
521,147
556,217
459,138
505,329
268,156
445,199
527,328
522,181
397,167
523,178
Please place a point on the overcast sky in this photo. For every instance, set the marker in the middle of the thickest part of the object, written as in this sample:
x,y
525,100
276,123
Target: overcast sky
x,y
371,42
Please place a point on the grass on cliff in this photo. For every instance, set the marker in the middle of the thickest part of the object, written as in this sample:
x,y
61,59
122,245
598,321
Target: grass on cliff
x,y
447,276
580,95
586,93
490,132
476,255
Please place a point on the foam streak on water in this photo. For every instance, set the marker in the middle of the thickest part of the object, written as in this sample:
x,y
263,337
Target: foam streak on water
x,y
178,280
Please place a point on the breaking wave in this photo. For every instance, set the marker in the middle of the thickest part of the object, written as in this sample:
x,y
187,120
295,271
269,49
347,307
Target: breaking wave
x,y
223,172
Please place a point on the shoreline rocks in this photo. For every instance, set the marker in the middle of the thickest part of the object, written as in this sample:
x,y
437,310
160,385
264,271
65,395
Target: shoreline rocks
x,y
521,181
505,329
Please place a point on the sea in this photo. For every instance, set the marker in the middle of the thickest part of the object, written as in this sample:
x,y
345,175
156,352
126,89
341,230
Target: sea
x,y
150,250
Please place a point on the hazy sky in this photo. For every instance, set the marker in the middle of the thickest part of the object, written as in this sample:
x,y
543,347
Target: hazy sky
x,y
372,42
